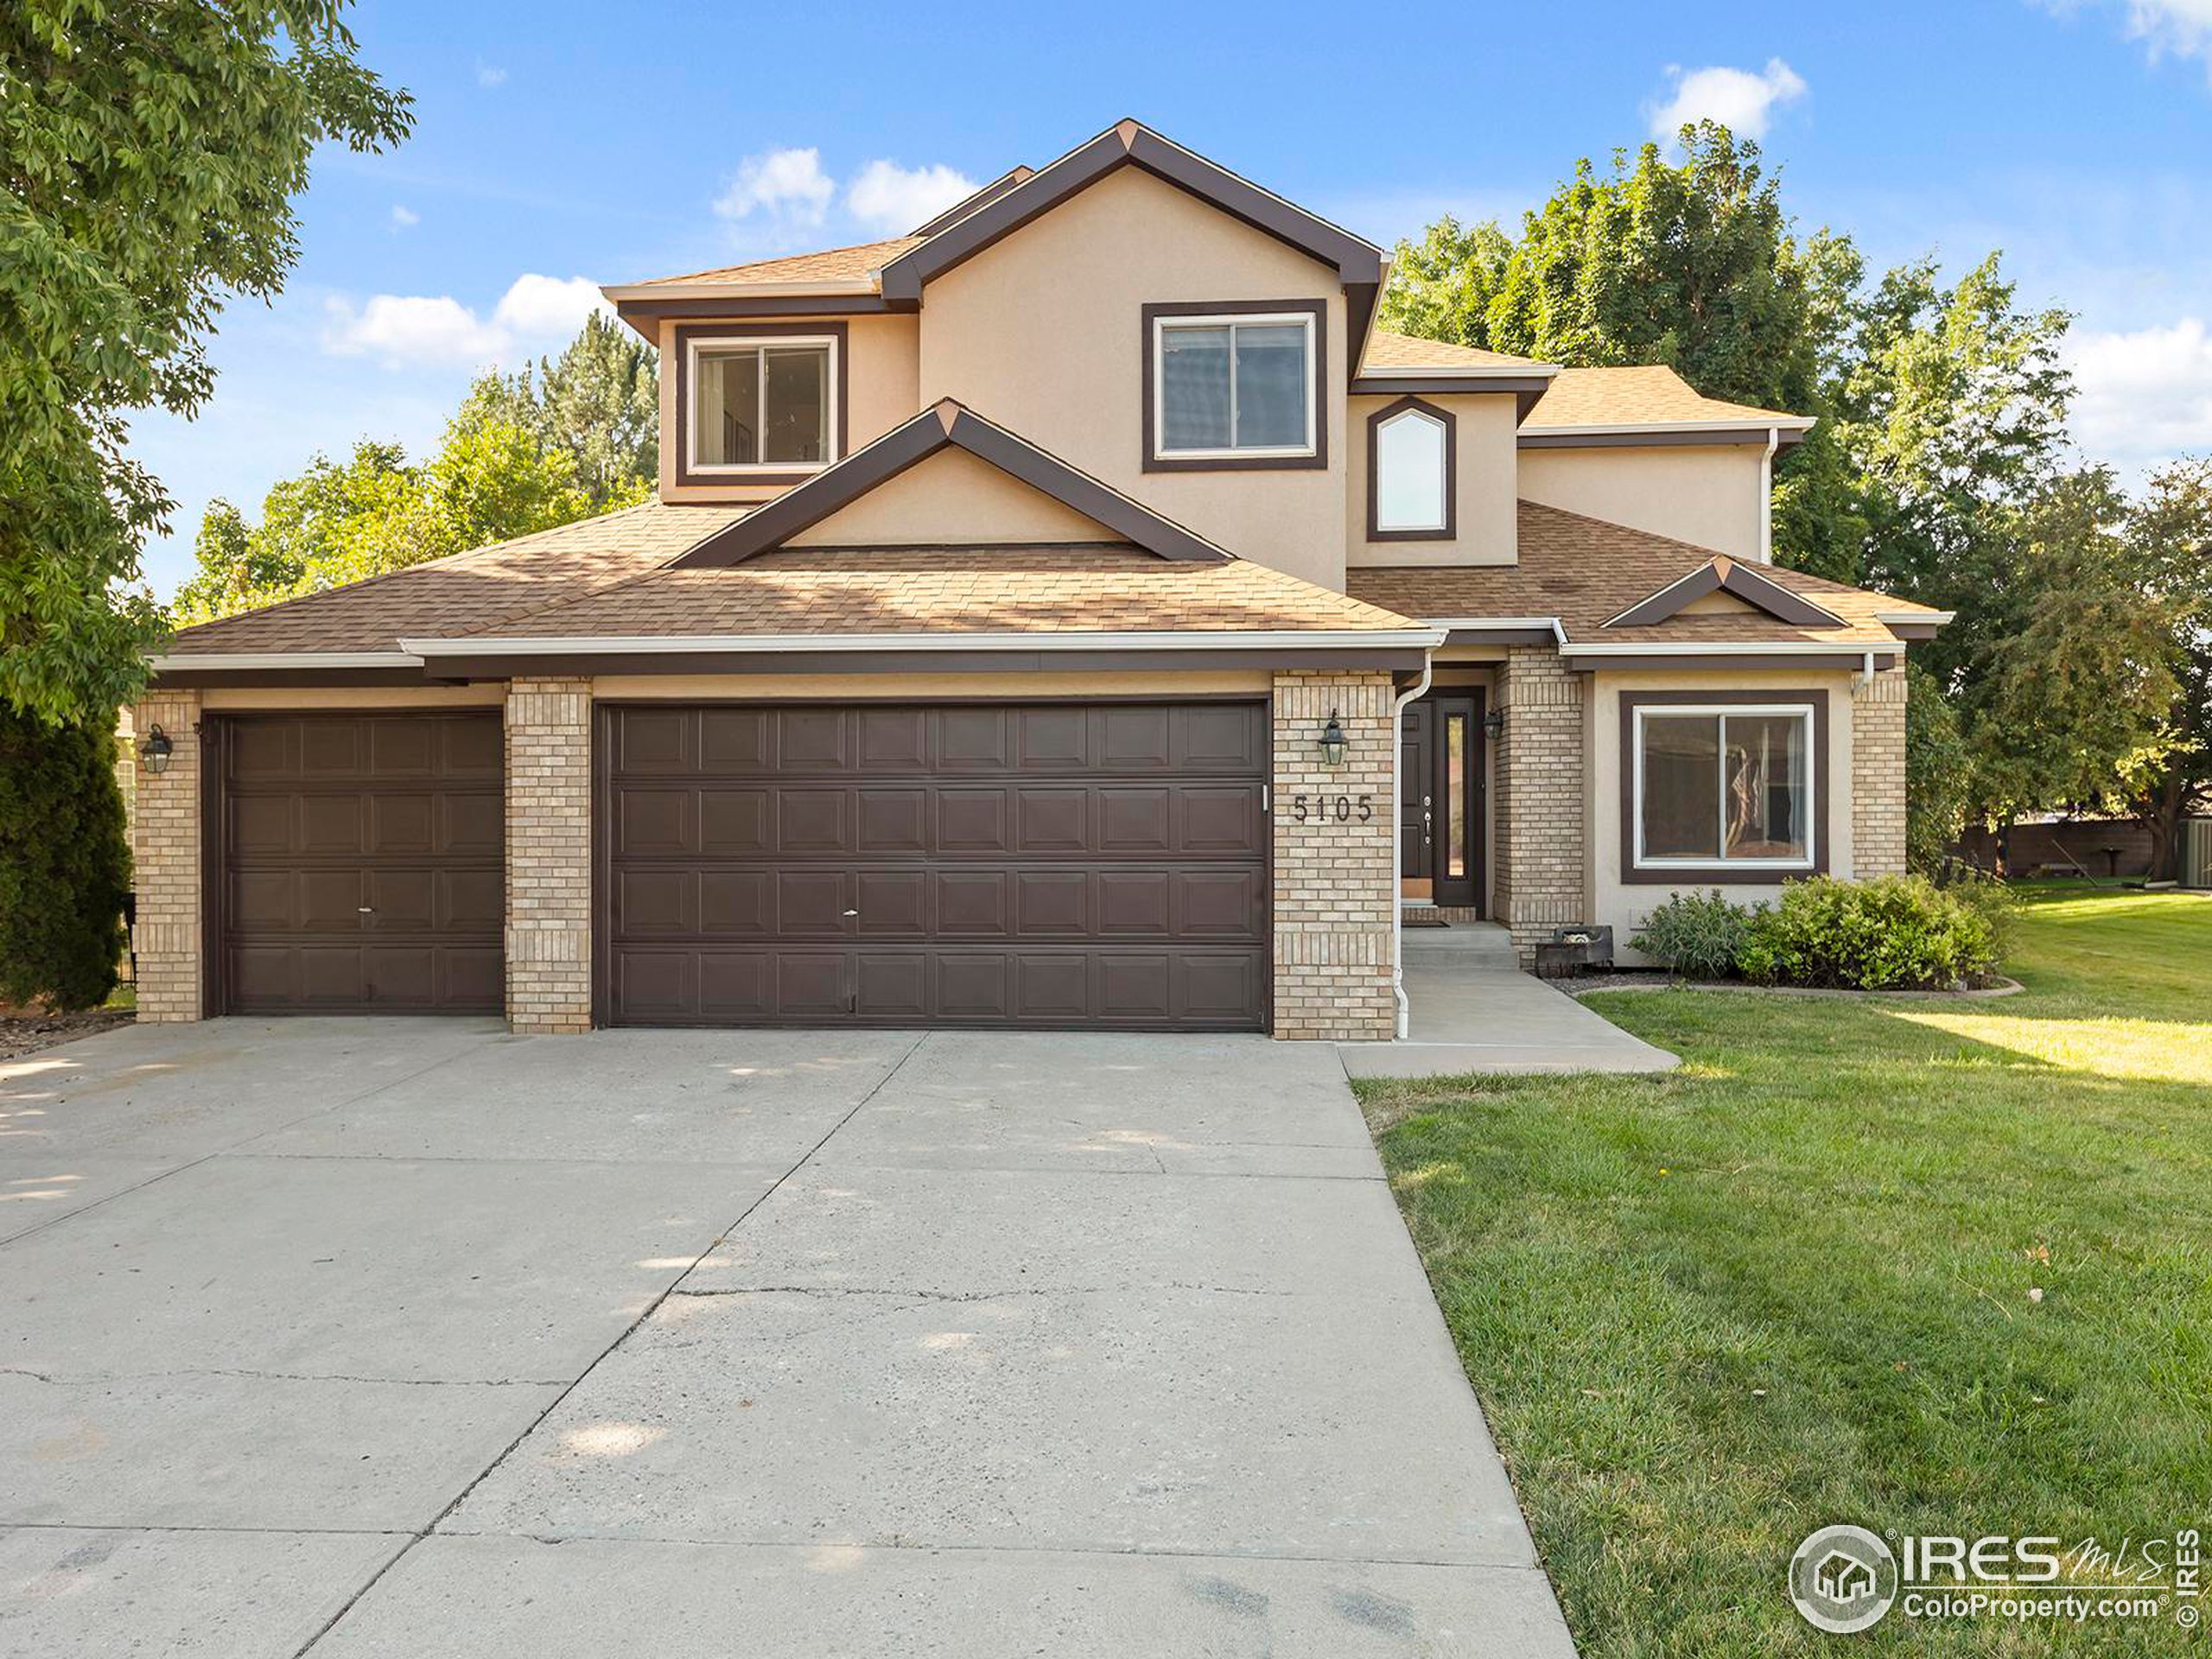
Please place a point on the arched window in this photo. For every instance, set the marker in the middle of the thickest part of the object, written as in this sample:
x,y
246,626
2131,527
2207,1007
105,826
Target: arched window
x,y
1411,460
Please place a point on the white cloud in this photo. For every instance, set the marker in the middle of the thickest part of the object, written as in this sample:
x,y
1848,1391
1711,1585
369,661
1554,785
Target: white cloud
x,y
403,218
893,198
1740,101
786,185
2144,396
2180,29
423,329
489,75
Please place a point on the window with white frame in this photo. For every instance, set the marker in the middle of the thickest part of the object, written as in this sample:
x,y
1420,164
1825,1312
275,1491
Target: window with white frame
x,y
1413,474
1237,387
765,404
1729,786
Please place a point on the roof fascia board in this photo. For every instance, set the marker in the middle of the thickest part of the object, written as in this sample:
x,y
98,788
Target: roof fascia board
x,y
915,441
234,661
1719,658
1662,433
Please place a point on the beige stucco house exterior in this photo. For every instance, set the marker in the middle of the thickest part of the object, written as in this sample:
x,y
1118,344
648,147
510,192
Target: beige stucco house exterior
x,y
1076,612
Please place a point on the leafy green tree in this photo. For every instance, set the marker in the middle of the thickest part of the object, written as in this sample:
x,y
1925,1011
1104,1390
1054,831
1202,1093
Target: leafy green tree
x,y
376,513
2063,674
149,153
2170,777
600,402
65,868
1936,762
1442,287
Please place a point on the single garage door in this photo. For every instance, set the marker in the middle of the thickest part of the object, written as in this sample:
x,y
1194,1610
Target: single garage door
x,y
1049,865
361,859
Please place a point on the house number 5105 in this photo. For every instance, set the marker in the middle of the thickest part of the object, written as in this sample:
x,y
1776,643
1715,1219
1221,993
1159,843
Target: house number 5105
x,y
1331,808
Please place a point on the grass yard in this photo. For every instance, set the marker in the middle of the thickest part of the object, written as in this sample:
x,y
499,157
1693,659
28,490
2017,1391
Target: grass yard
x,y
1791,1284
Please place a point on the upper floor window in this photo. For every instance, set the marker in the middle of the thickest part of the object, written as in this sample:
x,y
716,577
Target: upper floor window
x,y
766,404
1237,387
1411,461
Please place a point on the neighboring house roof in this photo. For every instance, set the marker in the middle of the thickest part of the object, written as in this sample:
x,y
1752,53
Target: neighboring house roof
x,y
1579,574
949,425
1632,402
467,590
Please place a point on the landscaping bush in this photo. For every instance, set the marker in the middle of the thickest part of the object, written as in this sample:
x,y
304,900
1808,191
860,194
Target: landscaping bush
x,y
1900,932
1697,935
65,868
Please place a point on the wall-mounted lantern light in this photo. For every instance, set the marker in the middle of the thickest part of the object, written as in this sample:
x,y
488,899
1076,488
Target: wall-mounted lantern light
x,y
1494,724
1334,743
154,754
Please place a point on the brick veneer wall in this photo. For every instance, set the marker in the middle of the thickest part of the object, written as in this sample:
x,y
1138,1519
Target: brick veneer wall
x,y
549,855
1542,858
165,864
1878,804
1335,877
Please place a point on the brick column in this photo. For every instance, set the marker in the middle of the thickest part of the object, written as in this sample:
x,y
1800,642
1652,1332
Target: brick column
x,y
1877,802
1542,857
165,863
1336,875
549,855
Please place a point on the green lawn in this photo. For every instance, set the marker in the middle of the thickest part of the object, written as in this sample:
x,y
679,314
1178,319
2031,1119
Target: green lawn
x,y
1791,1284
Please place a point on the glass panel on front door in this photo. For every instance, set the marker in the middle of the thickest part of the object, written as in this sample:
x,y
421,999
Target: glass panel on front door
x,y
1455,797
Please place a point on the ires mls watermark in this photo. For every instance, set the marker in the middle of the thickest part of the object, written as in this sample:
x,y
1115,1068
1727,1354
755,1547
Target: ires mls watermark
x,y
1846,1579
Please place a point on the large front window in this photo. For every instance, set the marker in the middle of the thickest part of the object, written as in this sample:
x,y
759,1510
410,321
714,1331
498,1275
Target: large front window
x,y
1234,387
761,403
1727,786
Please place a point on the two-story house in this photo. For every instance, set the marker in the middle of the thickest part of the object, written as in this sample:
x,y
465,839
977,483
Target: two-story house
x,y
1077,613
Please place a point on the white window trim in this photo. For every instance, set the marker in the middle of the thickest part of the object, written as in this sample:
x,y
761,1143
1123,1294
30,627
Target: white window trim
x,y
689,416
1233,320
1801,712
1443,468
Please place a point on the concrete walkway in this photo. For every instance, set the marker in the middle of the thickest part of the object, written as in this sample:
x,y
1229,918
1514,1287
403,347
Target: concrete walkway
x,y
393,1339
1473,1010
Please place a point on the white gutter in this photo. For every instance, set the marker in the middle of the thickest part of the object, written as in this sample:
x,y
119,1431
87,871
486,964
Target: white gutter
x,y
1726,648
665,645
1487,624
1922,619
1397,819
192,660
1637,428
1766,495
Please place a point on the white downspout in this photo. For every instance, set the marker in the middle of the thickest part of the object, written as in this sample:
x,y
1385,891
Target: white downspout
x,y
1397,830
1766,495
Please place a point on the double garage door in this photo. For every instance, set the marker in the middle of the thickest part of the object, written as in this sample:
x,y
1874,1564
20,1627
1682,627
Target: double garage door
x,y
971,864
977,864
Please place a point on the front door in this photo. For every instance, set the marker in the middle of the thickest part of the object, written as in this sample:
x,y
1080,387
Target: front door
x,y
1441,800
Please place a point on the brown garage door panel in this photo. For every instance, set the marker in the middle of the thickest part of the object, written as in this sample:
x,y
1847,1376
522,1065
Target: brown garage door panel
x,y
362,863
1143,990
1099,864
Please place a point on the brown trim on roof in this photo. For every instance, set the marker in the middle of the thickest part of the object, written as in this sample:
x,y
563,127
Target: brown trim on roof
x,y
1450,532
682,436
184,678
948,424
1500,637
1725,574
1915,632
1721,660
1526,389
982,197
1657,438
647,316
1721,874
1129,144
1318,461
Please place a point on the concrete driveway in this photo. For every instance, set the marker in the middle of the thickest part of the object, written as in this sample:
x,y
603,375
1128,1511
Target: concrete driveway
x,y
396,1337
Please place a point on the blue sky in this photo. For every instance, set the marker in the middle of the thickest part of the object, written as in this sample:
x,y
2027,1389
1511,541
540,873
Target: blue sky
x,y
560,145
